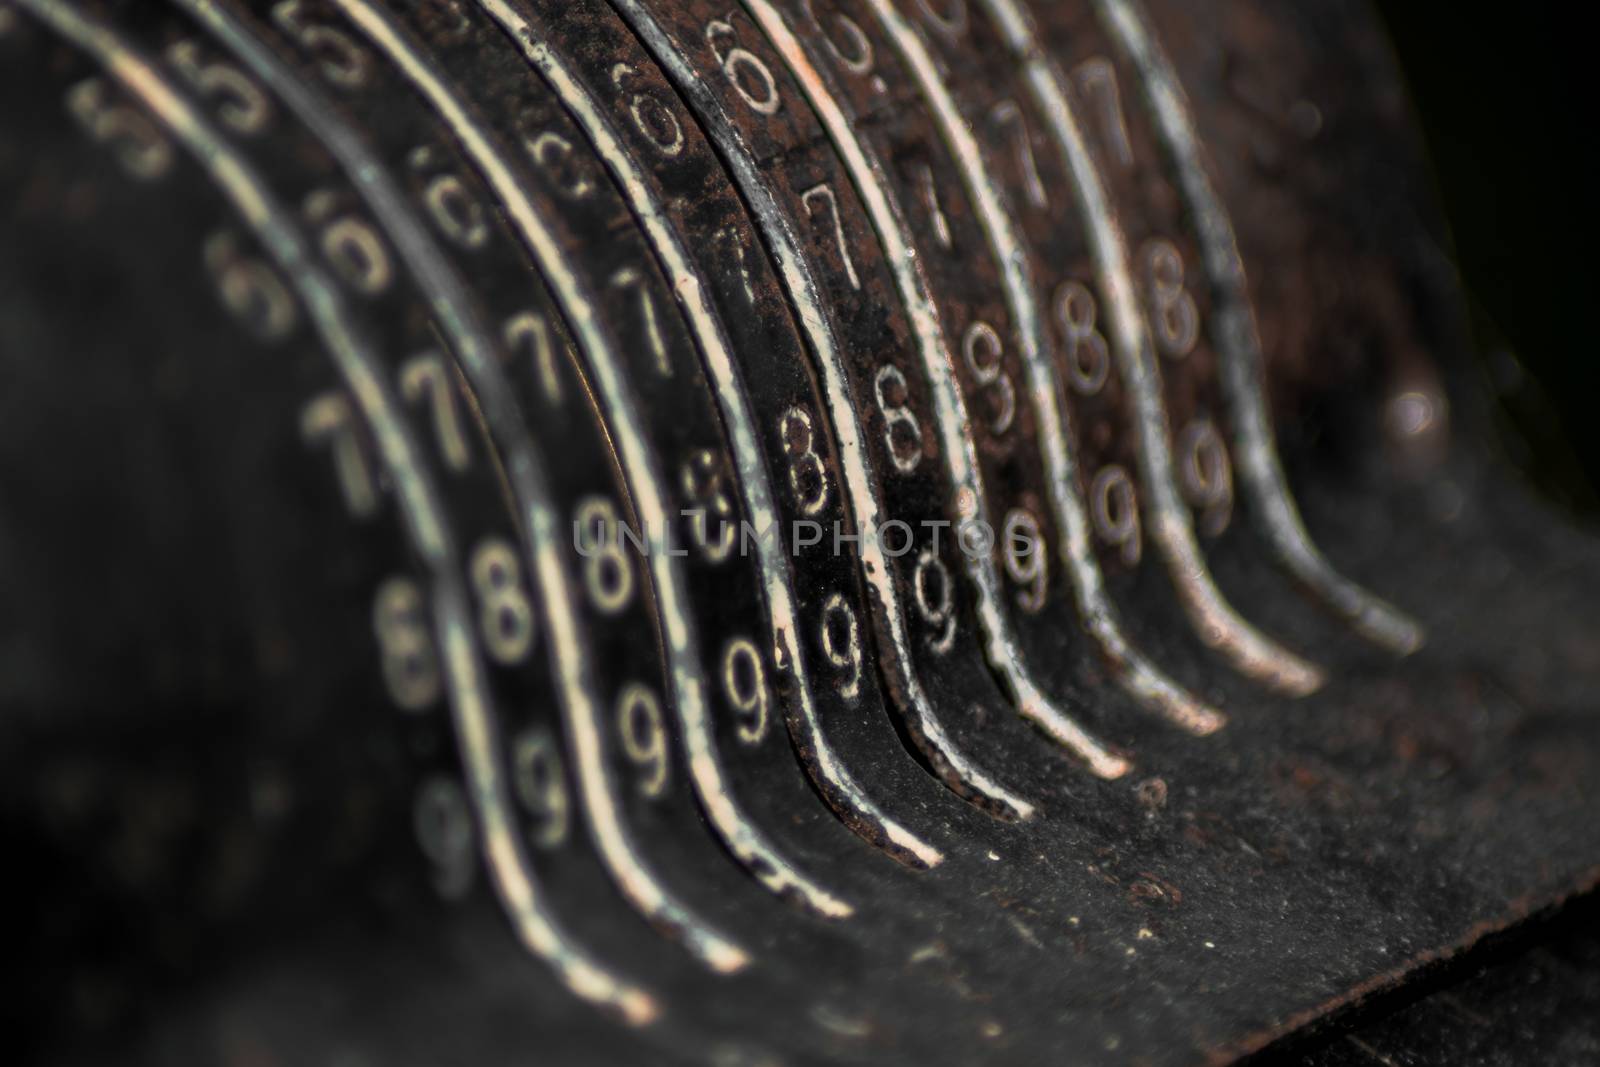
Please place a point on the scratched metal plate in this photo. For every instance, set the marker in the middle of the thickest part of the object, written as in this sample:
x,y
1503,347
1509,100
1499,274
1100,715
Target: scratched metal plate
x,y
325,320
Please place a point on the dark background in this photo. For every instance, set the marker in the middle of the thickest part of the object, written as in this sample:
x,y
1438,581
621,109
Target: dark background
x,y
1503,95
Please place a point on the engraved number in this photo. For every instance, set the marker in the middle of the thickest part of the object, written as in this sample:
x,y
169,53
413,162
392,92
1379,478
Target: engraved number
x,y
651,117
342,61
706,488
808,475
734,237
1206,475
907,452
138,145
855,52
540,784
445,20
983,352
644,737
1114,505
427,378
504,614
745,71
824,192
935,596
841,644
1173,315
1009,113
557,158
745,683
405,644
455,212
351,246
329,418
1097,84
529,328
631,278
607,571
250,290
241,105
1088,359
1027,561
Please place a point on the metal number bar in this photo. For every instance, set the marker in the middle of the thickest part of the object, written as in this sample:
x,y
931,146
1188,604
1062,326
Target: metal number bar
x,y
642,887
418,499
956,768
951,414
1216,621
1243,364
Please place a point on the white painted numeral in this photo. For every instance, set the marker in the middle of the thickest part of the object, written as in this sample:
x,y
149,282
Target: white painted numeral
x,y
528,328
905,449
935,597
352,247
808,474
984,354
505,617
240,103
1173,316
749,75
854,53
1027,560
1008,114
715,526
455,212
644,737
841,644
540,784
632,278
1114,507
329,418
1096,80
558,159
426,378
1206,475
405,645
341,60
607,570
744,681
1087,357
824,194
138,145
250,290
653,119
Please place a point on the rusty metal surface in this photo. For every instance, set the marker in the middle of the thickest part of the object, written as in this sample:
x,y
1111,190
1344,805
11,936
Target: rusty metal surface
x,y
322,323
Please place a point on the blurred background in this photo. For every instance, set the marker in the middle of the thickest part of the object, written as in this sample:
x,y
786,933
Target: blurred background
x,y
1504,98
